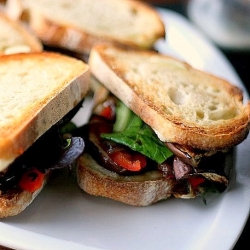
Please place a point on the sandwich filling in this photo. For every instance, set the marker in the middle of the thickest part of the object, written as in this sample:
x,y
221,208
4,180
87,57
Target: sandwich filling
x,y
121,142
55,149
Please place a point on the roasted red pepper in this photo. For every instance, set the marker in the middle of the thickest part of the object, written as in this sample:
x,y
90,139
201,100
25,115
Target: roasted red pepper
x,y
107,112
108,109
196,181
31,180
131,161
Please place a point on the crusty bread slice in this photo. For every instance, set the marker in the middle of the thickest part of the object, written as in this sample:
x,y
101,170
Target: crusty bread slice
x,y
14,38
138,190
36,91
17,200
78,25
183,105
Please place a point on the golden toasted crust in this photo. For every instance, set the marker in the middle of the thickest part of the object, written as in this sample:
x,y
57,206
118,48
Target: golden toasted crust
x,y
183,105
140,190
81,24
15,38
36,91
15,201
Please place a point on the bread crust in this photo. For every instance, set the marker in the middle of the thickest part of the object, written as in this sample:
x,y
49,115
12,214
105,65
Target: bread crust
x,y
140,190
158,105
61,32
25,41
15,201
62,81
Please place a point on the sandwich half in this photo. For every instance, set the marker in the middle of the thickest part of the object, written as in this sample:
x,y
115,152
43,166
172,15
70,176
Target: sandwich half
x,y
80,24
160,128
39,93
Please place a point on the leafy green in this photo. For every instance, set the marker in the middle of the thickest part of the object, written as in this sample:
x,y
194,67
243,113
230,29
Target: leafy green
x,y
68,128
138,136
123,116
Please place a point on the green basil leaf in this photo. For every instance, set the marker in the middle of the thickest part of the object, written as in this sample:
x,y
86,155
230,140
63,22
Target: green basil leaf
x,y
141,138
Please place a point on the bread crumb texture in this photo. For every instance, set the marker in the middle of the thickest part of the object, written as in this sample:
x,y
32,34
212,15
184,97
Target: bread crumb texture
x,y
22,93
36,91
135,22
175,89
181,104
14,38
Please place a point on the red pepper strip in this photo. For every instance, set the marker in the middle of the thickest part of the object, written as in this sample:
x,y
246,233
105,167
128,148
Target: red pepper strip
x,y
107,112
31,180
196,181
132,162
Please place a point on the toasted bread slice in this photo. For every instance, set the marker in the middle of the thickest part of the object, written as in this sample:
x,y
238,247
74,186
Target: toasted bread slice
x,y
78,25
15,38
17,200
36,91
139,190
182,105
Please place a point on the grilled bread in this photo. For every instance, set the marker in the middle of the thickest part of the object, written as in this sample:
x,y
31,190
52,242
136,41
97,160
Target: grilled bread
x,y
79,25
36,91
13,203
196,115
138,190
181,104
14,37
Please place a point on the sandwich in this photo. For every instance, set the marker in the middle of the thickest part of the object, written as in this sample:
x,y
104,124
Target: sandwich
x,y
15,38
79,25
40,93
159,129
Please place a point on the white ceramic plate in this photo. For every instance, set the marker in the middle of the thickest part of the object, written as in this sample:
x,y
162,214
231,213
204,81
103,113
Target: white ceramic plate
x,y
63,217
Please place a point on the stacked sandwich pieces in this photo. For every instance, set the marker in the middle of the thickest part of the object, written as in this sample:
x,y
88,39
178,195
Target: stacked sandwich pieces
x,y
42,91
159,128
162,131
38,92
79,25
